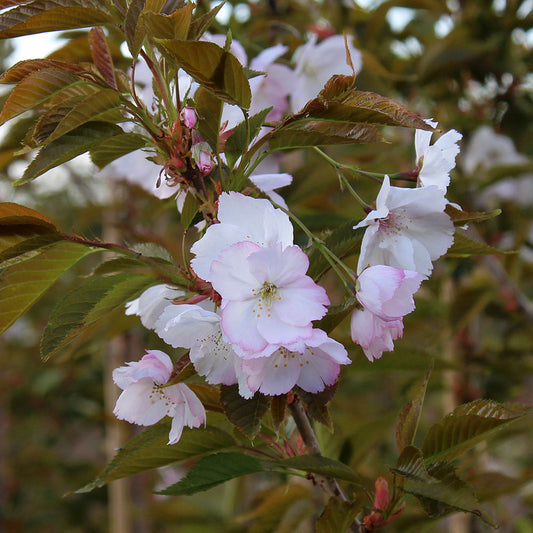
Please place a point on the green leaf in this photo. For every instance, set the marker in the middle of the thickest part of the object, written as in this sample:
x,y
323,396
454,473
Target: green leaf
x,y
21,285
150,450
116,146
34,89
209,110
200,24
173,26
410,415
321,465
52,15
464,246
343,241
461,217
134,30
27,248
438,487
363,108
189,210
338,515
213,67
467,425
88,304
89,109
67,147
243,413
213,470
321,133
336,314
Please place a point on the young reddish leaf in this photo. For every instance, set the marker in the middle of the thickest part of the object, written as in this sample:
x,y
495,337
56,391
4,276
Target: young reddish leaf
x,y
174,26
52,15
245,414
92,108
410,415
21,285
213,470
102,56
114,147
320,133
67,147
135,27
466,426
21,69
338,515
213,67
150,450
366,108
35,89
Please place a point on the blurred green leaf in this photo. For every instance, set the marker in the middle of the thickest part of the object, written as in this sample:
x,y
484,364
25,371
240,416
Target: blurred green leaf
x,y
321,465
338,515
150,450
189,210
461,217
86,305
114,147
464,246
316,404
467,425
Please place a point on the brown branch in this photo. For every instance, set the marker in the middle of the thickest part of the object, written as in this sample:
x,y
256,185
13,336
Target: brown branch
x,y
328,484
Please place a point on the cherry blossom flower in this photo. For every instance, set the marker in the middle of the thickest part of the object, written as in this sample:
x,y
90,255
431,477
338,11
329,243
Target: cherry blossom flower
x,y
267,300
272,88
146,398
435,161
151,304
311,369
408,229
316,63
387,291
374,334
242,218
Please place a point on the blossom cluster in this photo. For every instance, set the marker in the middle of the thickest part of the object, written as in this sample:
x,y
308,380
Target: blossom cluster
x,y
250,319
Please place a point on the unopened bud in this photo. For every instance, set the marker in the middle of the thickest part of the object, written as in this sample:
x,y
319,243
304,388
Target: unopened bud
x,y
188,114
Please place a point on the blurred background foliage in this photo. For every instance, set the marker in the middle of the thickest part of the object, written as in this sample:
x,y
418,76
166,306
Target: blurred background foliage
x,y
465,63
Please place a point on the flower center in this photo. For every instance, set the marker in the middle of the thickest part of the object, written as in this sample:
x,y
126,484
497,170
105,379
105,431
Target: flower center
x,y
265,294
268,292
395,222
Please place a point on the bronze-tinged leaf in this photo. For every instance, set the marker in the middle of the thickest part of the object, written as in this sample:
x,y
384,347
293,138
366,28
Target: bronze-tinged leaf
x,y
115,147
202,23
211,66
21,69
135,27
338,515
174,26
12,214
336,87
102,56
464,246
49,120
364,108
209,110
89,109
53,15
321,133
34,89
461,217
278,409
316,404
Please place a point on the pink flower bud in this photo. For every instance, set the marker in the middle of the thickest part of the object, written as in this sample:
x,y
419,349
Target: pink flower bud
x,y
188,114
201,154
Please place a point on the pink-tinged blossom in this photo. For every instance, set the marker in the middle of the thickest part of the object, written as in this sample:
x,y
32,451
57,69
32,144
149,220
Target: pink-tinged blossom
x,y
374,334
408,229
317,366
267,300
242,218
316,64
188,115
269,182
387,291
151,304
435,161
146,398
272,88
